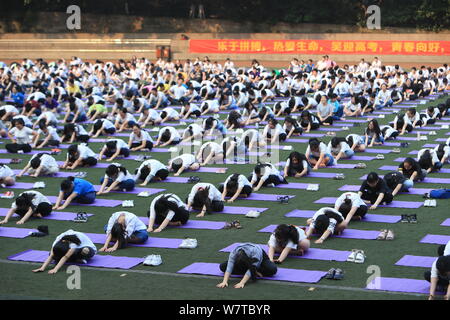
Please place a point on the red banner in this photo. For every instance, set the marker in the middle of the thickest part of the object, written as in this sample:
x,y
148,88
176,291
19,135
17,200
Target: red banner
x,y
245,46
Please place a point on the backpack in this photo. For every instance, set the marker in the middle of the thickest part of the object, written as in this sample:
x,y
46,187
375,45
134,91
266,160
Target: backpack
x,y
440,194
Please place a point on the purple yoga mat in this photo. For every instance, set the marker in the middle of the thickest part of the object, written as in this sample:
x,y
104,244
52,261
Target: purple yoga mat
x,y
297,140
446,223
98,261
313,135
375,150
32,152
312,253
435,239
416,261
427,179
399,285
343,165
293,185
266,197
55,215
11,232
407,138
97,203
355,188
213,170
57,175
240,210
391,144
175,180
367,218
441,140
283,274
346,234
430,145
321,175
151,242
361,158
195,224
393,204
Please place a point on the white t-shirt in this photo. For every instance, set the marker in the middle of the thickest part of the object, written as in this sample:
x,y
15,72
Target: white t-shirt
x,y
242,181
301,236
214,147
354,198
197,130
178,91
52,132
38,198
22,136
213,195
192,108
128,117
132,222
145,136
170,214
106,124
333,222
266,172
446,150
153,115
121,176
433,154
187,160
48,115
85,152
322,149
171,112
47,161
85,241
154,165
174,134
342,147
9,108
6,171
213,105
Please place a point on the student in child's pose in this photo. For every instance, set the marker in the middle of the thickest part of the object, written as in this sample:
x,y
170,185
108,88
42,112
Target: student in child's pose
x,y
397,182
411,169
292,127
339,149
151,170
116,177
428,160
253,139
266,175
356,142
51,137
192,132
29,204
439,274
69,246
79,156
325,222
205,197
75,190
297,165
375,191
123,228
317,154
140,139
443,151
182,163
212,124
274,132
114,148
373,134
102,127
388,132
168,136
309,121
286,240
247,259
167,210
210,152
7,176
40,164
74,132
351,206
236,185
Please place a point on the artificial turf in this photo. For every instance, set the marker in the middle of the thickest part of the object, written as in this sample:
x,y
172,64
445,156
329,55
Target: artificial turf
x,y
18,282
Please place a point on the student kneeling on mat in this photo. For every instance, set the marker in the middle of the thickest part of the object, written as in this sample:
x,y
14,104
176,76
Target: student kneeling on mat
x,y
247,259
167,210
351,206
236,185
116,177
40,164
151,171
79,156
205,197
76,190
297,165
375,191
287,239
124,227
69,246
266,175
29,204
439,276
325,222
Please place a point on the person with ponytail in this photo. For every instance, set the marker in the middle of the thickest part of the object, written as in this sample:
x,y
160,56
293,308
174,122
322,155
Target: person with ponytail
x,y
184,162
40,164
373,134
192,132
75,190
236,185
168,136
325,222
235,120
114,148
51,137
79,156
356,142
351,206
74,132
70,246
249,260
212,124
309,121
29,204
428,160
167,210
209,153
151,171
206,198
266,175
339,149
123,228
443,151
190,110
235,146
297,165
7,176
286,240
116,177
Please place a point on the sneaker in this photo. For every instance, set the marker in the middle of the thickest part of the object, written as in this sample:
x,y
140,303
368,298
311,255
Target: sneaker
x,y
188,244
390,235
312,187
361,165
405,218
283,199
382,235
8,195
39,185
143,194
413,218
330,274
152,260
360,257
396,150
81,217
128,204
338,274
380,157
193,179
404,144
252,214
352,256
339,176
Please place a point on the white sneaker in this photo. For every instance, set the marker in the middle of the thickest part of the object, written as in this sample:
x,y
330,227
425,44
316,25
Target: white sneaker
x,y
252,214
288,148
143,194
312,187
39,185
360,257
128,204
352,256
153,260
188,244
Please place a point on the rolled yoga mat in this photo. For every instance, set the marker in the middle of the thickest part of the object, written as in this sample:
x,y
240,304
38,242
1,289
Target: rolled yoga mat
x,y
346,234
11,232
355,188
416,261
283,274
55,215
435,239
98,261
393,204
312,253
367,218
400,285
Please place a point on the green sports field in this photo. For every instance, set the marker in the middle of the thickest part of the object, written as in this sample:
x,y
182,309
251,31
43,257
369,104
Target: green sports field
x,y
162,282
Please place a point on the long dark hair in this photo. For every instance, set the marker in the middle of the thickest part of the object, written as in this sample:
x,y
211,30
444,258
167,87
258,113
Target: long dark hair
x,y
243,260
119,233
67,184
335,141
376,127
345,206
163,205
24,203
285,232
202,198
62,246
232,183
114,170
426,161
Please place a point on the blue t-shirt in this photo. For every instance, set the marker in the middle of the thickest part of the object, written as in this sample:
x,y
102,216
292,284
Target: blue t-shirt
x,y
18,97
82,187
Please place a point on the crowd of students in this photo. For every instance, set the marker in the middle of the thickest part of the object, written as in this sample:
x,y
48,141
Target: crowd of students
x,y
47,103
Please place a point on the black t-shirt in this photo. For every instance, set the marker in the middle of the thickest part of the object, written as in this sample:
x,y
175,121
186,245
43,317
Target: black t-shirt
x,y
380,187
414,167
393,179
